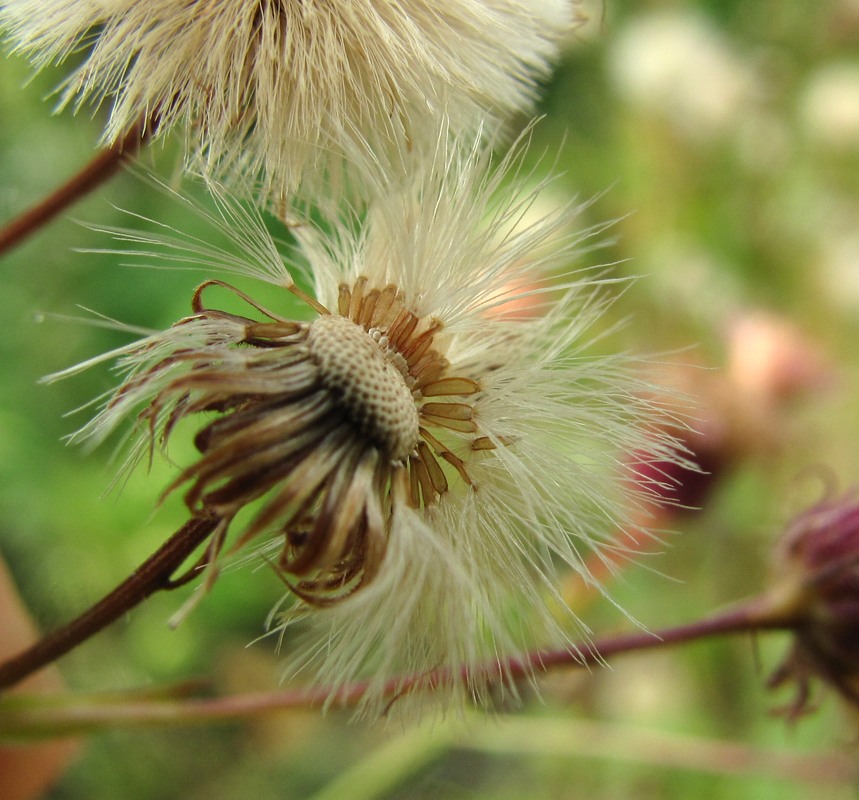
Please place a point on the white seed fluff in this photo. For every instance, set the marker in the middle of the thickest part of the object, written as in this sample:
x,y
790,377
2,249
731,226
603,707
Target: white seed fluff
x,y
518,472
283,90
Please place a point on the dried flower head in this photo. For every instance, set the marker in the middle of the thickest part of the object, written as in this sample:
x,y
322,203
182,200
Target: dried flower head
x,y
422,455
284,88
817,585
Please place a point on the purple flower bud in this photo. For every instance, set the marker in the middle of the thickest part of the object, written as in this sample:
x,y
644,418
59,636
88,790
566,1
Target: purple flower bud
x,y
817,567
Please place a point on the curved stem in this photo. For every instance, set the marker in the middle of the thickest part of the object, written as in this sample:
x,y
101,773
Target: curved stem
x,y
746,618
151,576
57,716
105,164
750,617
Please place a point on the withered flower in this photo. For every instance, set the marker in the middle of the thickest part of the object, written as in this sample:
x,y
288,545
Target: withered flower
x,y
422,456
817,585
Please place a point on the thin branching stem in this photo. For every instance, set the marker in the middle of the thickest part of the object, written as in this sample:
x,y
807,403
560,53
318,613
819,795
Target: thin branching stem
x,y
100,169
153,575
57,716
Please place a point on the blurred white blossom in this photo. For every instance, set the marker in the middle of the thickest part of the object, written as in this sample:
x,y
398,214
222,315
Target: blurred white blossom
x,y
678,65
829,105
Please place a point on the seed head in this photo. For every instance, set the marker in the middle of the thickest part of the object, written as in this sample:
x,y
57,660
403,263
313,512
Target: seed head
x,y
285,90
421,455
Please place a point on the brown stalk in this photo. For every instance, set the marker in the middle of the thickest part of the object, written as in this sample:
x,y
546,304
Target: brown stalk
x,y
90,713
153,575
100,169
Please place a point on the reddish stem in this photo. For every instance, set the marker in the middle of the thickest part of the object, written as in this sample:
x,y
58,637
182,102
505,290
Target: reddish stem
x,y
105,164
153,575
741,619
100,711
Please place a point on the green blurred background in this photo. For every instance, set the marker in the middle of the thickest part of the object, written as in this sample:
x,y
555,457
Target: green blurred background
x,y
723,136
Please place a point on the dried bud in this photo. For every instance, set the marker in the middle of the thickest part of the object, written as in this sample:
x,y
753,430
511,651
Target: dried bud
x,y
818,585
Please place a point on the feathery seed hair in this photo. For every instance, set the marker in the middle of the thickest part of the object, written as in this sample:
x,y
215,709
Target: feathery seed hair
x,y
421,455
284,90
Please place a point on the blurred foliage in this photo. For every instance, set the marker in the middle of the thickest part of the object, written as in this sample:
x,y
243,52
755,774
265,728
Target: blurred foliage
x,y
724,139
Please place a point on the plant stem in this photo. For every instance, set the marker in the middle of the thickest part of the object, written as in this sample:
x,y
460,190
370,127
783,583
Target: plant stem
x,y
745,618
65,715
151,576
105,164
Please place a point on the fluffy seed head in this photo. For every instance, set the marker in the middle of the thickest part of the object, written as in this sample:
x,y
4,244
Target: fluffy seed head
x,y
420,455
285,89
